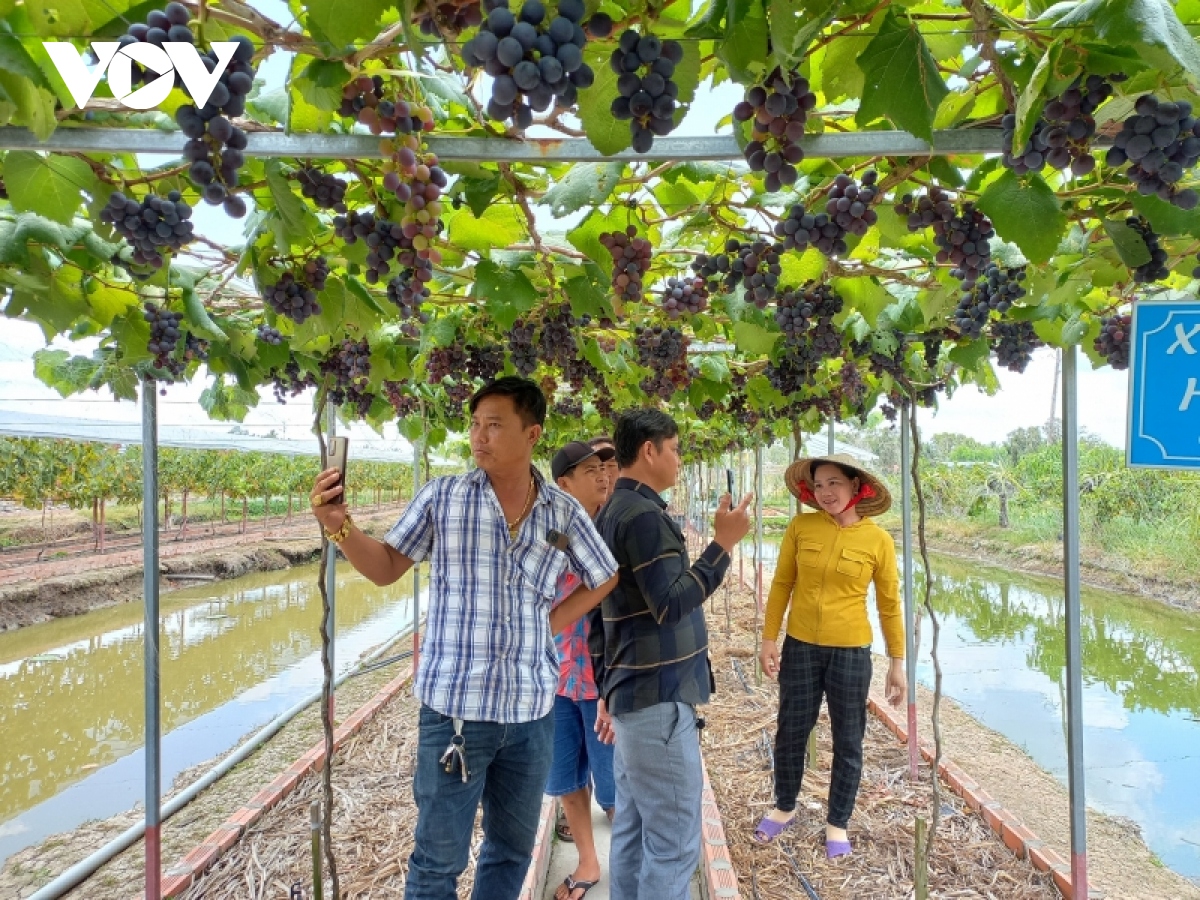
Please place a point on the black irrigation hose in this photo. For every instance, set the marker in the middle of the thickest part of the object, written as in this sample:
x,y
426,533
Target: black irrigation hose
x,y
804,882
380,663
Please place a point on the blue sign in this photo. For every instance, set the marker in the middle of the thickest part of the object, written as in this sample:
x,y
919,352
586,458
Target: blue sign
x,y
1164,386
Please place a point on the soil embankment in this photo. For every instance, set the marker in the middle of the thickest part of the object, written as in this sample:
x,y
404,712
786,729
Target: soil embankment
x,y
41,591
1112,573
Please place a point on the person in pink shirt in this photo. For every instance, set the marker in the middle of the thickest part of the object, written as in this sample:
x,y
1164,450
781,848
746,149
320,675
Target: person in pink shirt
x,y
581,760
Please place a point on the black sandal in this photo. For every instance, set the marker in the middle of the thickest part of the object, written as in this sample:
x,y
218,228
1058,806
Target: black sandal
x,y
572,886
562,829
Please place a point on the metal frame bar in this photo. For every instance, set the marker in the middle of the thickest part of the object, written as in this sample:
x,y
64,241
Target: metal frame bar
x,y
1074,673
83,139
907,417
329,624
150,667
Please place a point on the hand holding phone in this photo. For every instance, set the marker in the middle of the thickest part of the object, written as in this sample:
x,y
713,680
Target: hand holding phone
x,y
337,458
729,482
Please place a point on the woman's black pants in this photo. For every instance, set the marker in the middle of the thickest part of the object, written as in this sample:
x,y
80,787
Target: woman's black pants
x,y
842,675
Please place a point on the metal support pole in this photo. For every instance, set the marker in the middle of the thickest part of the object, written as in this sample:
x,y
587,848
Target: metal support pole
x,y
758,556
907,416
758,523
153,739
330,624
1075,770
539,151
416,571
830,441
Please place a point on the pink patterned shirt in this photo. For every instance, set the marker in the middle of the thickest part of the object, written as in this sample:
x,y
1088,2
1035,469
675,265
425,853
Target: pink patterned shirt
x,y
576,681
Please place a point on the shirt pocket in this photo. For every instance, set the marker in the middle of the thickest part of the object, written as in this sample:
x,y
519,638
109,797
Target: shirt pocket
x,y
854,563
539,566
809,554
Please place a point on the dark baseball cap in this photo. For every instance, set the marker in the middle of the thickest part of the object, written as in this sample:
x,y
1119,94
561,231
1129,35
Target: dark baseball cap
x,y
574,453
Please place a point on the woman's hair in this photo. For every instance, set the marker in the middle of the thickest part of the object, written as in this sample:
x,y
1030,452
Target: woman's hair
x,y
850,473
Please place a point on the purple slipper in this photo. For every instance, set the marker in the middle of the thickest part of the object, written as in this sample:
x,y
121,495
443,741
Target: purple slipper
x,y
768,829
834,849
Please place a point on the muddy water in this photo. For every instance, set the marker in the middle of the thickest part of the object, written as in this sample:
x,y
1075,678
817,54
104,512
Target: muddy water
x,y
233,655
1003,651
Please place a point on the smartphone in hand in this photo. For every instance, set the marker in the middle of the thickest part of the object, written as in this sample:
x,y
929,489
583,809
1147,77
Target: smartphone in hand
x,y
729,482
336,458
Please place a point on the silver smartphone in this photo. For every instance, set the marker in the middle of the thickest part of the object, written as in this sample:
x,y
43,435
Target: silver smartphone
x,y
337,456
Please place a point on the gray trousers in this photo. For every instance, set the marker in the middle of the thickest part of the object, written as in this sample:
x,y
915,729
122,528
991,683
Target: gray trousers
x,y
657,830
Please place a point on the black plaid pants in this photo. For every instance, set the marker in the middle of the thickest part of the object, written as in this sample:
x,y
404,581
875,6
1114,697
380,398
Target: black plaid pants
x,y
842,675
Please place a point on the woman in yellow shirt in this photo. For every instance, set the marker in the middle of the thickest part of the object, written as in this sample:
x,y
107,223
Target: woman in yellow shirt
x,y
826,563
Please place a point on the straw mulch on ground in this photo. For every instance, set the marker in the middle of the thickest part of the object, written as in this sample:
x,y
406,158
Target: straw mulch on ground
x,y
373,825
968,860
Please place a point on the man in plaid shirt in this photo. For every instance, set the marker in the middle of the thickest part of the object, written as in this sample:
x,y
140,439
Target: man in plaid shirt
x,y
498,539
651,660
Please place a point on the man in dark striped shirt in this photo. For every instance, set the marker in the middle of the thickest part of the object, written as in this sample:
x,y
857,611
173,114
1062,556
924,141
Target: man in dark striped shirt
x,y
650,656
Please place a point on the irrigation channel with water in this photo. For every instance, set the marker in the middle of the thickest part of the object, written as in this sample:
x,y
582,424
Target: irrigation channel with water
x,y
237,653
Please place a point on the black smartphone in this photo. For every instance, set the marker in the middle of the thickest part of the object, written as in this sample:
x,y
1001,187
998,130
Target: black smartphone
x,y
729,481
337,457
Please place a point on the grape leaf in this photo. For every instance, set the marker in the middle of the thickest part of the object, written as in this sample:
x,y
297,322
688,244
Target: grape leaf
x,y
321,84
901,79
1026,213
607,134
293,211
585,184
745,44
15,58
198,317
866,295
1029,104
47,185
754,339
794,25
107,302
507,293
1151,25
585,237
797,268
714,368
499,226
1167,218
838,76
479,192
970,355
1131,246
587,298
340,23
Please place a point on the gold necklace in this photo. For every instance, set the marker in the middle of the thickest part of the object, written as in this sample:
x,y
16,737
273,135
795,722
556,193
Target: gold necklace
x,y
513,526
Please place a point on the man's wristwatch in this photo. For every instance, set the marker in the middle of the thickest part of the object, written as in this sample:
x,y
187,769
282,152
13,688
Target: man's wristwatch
x,y
342,533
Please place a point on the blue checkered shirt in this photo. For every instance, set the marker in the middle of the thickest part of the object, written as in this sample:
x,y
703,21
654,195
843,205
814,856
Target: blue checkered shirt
x,y
488,654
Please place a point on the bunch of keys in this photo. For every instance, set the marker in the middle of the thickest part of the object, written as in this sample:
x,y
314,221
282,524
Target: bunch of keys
x,y
455,754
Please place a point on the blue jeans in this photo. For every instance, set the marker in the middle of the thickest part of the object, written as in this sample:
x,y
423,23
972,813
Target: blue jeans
x,y
660,782
578,752
508,765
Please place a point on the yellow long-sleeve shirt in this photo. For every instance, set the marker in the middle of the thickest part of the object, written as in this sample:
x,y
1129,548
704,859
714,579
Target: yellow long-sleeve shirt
x,y
823,573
